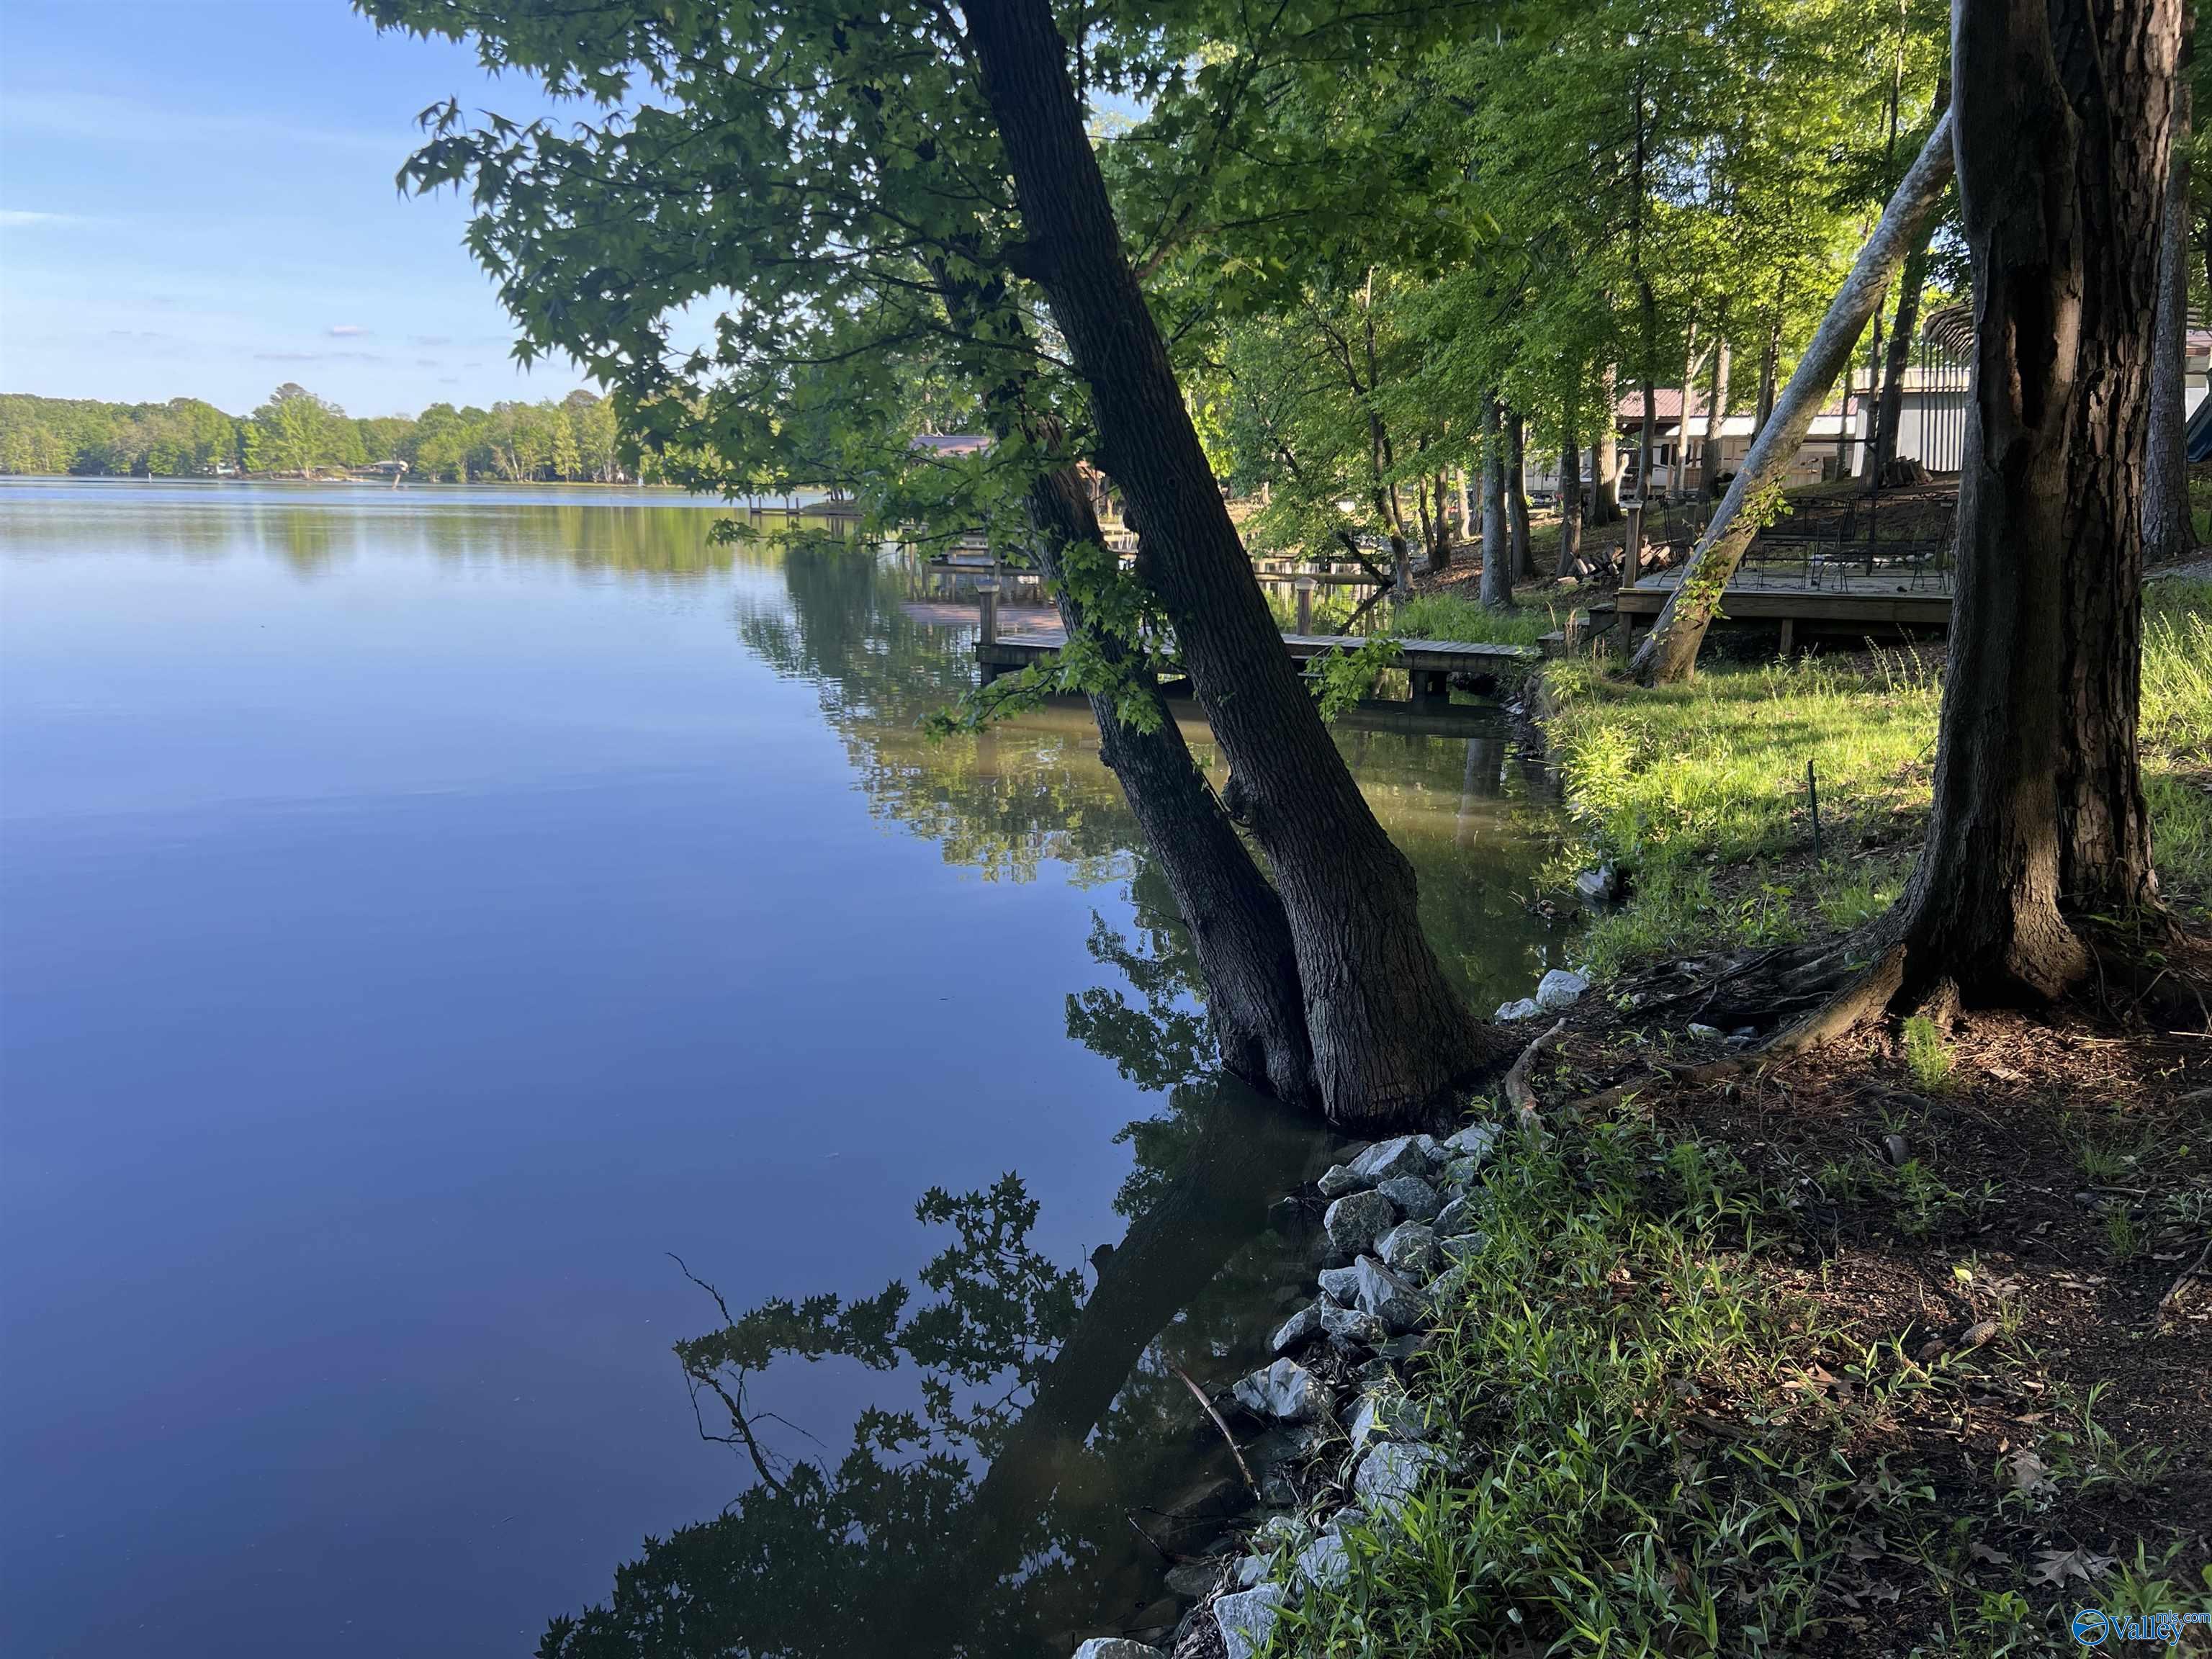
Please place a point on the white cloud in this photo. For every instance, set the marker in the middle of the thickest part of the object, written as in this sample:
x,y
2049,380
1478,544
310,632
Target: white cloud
x,y
16,218
346,330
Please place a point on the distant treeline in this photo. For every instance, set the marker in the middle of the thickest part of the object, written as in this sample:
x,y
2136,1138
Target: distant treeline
x,y
297,433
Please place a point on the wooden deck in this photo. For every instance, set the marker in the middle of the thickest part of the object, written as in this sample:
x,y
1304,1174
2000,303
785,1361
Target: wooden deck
x,y
1845,601
1431,663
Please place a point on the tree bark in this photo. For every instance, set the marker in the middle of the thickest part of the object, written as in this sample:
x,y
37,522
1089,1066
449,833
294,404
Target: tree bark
x,y
1571,504
2065,119
1497,559
1605,454
1769,361
1715,415
1516,496
1889,413
1392,1039
1439,534
1669,651
2168,531
1237,925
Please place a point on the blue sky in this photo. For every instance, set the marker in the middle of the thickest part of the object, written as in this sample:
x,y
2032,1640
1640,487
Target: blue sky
x,y
195,199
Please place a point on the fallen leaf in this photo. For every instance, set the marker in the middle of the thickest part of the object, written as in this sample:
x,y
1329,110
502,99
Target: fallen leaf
x,y
1977,1334
2024,1472
2056,1566
1982,1552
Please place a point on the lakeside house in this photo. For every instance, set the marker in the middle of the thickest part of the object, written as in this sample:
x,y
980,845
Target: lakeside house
x,y
1931,420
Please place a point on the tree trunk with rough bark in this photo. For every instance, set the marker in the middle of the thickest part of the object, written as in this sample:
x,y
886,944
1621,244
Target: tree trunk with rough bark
x,y
1497,559
1715,415
2168,532
1669,651
1237,925
1392,1039
2064,125
1516,496
1571,504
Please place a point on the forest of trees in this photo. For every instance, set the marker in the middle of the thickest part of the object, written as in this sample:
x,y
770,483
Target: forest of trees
x,y
572,440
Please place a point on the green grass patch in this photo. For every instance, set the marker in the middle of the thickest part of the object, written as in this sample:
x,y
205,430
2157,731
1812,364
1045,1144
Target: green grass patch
x,y
1678,783
1448,616
1927,1055
1643,1471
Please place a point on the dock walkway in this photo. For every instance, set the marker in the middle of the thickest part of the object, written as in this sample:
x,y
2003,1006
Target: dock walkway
x,y
1431,663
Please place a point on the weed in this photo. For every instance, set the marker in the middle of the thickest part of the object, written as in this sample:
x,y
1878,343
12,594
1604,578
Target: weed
x,y
1928,1056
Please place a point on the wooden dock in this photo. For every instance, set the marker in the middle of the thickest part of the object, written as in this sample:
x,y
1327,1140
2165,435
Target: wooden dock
x,y
1849,604
1430,663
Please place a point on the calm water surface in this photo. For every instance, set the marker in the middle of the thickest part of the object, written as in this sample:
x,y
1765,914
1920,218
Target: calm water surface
x,y
425,914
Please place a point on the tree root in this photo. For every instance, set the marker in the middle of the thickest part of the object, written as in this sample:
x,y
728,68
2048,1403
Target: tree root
x,y
1518,1094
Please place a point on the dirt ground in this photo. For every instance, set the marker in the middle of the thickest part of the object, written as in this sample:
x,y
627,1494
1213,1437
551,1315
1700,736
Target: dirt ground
x,y
2035,1230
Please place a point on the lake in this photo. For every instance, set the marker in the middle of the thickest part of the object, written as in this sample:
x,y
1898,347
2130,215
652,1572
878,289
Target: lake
x,y
427,915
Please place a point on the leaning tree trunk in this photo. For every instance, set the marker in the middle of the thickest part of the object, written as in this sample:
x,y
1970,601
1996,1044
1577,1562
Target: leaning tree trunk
x,y
1516,496
2168,532
1571,504
1238,926
1497,562
1669,651
1391,1036
1715,415
1605,454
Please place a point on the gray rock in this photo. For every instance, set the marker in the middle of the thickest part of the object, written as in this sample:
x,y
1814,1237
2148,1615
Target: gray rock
x,y
1301,1328
1413,1196
1526,1008
1455,1220
1277,1486
1251,1570
1410,1247
1477,1141
1373,1288
1387,1415
1390,1474
1281,1530
1338,1180
1464,1248
1116,1647
1324,1563
1247,1620
1561,988
1706,1033
1350,1516
1461,1175
1193,1578
1598,886
1355,1221
1406,1154
1349,1331
1285,1391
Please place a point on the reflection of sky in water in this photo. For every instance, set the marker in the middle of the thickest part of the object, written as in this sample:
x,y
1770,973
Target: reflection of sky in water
x,y
420,915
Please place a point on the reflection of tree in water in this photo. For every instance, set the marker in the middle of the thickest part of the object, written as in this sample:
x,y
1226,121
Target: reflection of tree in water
x,y
995,1517
1003,801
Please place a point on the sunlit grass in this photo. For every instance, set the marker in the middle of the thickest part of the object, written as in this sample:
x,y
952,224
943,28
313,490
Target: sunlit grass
x,y
1678,783
1448,616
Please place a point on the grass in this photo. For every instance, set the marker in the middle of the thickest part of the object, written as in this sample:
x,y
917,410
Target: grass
x,y
1681,783
1611,1309
1658,1447
1448,616
1927,1055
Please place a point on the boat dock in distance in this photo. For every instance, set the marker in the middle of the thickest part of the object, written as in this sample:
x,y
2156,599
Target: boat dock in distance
x,y
1430,664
